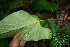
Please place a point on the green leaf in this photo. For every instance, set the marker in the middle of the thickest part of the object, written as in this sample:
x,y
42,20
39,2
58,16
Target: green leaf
x,y
55,1
15,5
52,6
44,23
52,26
67,37
58,41
67,29
43,5
29,25
39,5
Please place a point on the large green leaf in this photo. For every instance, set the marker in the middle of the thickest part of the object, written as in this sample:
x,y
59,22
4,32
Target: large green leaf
x,y
22,21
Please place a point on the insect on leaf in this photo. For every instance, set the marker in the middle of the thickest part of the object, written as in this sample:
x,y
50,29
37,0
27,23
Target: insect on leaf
x,y
29,25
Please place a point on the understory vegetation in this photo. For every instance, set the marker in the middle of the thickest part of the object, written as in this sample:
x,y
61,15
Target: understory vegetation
x,y
53,14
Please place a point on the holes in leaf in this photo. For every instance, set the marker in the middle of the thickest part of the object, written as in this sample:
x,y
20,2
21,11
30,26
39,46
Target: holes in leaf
x,y
0,27
28,33
25,26
50,32
20,29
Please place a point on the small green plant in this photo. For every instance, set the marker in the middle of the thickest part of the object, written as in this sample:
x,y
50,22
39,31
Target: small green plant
x,y
58,38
